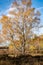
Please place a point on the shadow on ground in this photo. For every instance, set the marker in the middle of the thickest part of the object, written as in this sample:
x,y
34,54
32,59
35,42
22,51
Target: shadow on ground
x,y
21,60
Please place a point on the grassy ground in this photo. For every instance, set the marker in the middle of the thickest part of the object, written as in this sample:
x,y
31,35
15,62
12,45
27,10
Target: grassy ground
x,y
22,60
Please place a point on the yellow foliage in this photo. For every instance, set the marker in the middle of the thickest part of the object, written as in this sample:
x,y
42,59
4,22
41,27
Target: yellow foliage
x,y
11,46
28,12
16,19
23,2
31,48
14,13
41,44
4,31
17,43
4,19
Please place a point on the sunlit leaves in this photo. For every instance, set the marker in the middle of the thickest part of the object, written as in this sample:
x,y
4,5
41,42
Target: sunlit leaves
x,y
32,48
4,19
28,12
26,2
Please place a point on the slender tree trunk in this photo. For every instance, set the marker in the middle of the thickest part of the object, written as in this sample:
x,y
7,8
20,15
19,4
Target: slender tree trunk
x,y
23,42
23,46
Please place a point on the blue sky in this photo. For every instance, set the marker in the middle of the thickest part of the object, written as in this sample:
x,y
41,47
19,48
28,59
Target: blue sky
x,y
38,4
5,4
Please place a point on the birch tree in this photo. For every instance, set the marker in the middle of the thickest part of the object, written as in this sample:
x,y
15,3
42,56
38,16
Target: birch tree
x,y
19,28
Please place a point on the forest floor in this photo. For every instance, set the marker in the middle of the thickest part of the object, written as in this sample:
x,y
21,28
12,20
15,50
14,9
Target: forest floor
x,y
21,60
